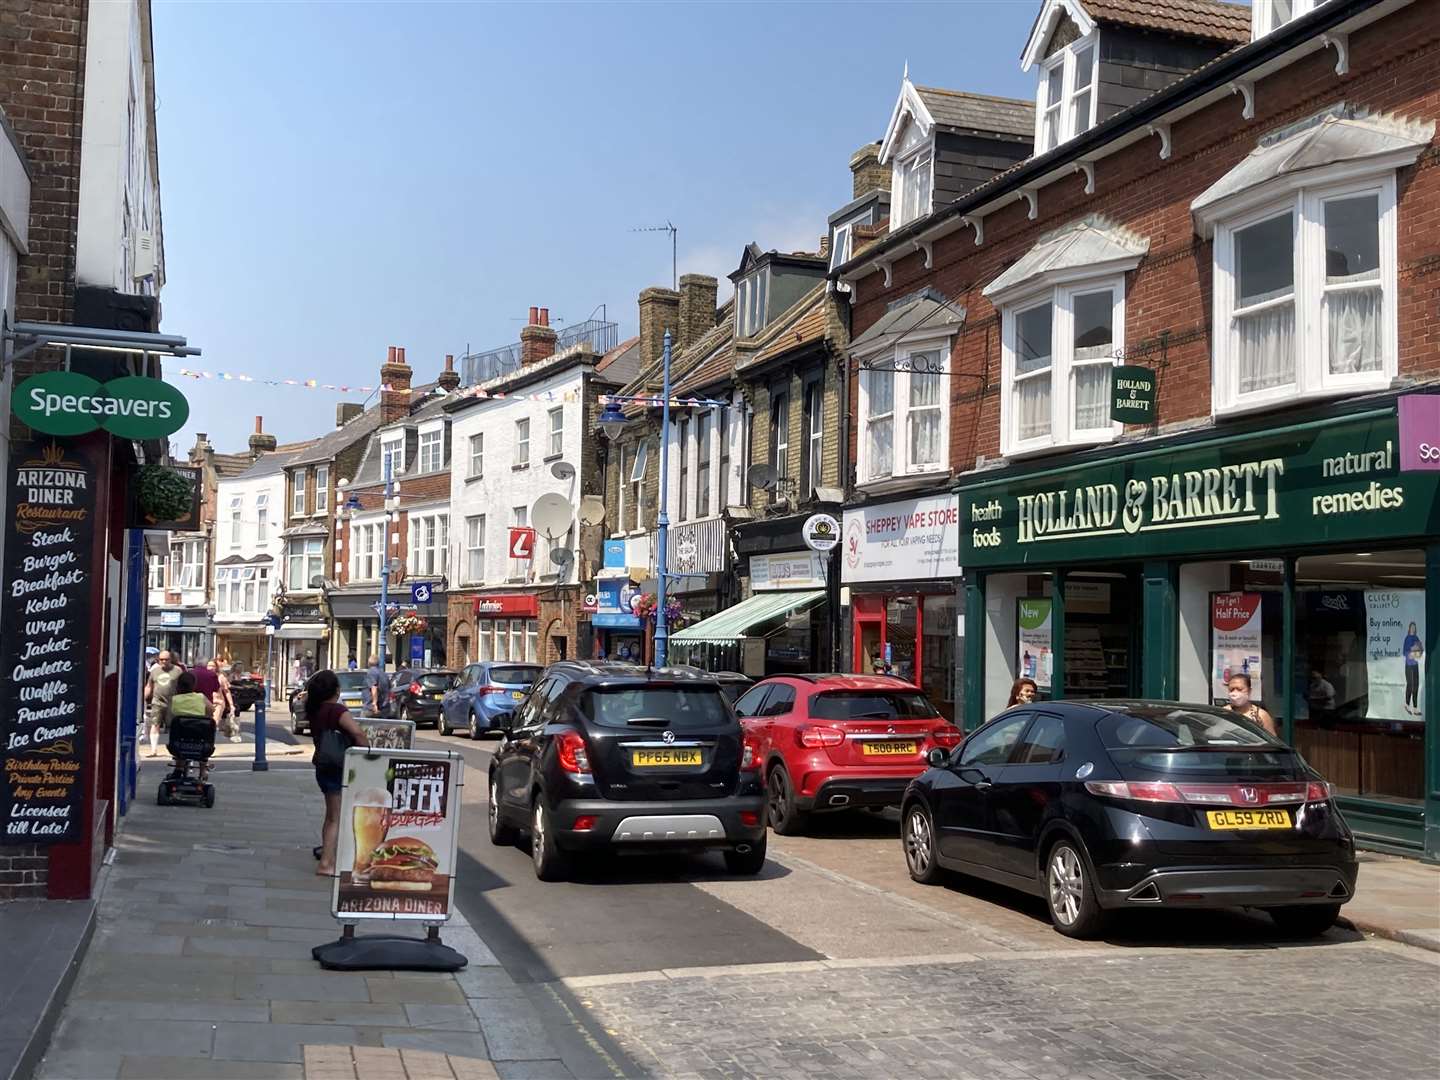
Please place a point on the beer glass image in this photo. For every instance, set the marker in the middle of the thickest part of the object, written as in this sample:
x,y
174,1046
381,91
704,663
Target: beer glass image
x,y
368,813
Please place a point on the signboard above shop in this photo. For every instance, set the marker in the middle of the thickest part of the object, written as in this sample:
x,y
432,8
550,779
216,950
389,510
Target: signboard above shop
x,y
910,540
68,403
791,570
1321,482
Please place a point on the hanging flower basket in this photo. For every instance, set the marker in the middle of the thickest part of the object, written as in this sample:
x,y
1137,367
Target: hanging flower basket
x,y
409,623
164,494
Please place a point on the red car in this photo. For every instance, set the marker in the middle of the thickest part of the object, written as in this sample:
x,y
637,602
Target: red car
x,y
830,742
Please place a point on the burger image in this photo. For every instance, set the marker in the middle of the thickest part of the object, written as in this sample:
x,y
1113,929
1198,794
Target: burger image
x,y
403,864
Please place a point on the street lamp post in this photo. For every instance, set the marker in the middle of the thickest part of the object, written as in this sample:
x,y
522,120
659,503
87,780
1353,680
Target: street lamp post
x,y
385,564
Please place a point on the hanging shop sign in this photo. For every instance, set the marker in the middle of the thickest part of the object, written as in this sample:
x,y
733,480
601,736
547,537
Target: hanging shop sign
x,y
614,555
1036,652
399,817
792,570
45,694
1235,646
1326,481
1419,432
1132,395
821,532
913,539
69,403
615,599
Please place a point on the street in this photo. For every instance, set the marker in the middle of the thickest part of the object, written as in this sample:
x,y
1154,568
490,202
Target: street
x,y
832,961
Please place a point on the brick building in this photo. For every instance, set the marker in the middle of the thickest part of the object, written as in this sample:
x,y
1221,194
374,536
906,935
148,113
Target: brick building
x,y
1240,215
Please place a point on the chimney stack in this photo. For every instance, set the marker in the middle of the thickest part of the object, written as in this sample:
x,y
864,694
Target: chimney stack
x,y
260,443
347,411
866,171
697,308
659,311
537,340
394,386
449,378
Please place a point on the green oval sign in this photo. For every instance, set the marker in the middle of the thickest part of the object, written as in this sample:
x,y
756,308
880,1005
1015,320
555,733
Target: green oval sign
x,y
68,403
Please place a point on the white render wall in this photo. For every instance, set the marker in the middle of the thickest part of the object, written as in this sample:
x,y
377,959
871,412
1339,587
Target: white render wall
x,y
503,487
250,546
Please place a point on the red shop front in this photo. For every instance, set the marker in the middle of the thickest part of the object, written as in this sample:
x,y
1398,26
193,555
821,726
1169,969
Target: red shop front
x,y
507,627
910,635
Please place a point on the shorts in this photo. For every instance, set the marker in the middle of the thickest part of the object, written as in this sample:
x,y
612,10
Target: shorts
x,y
330,780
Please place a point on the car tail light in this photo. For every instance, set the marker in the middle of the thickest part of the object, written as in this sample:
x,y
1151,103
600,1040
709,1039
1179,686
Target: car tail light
x,y
948,736
1317,791
813,738
749,818
570,748
1147,791
415,688
749,753
492,690
584,823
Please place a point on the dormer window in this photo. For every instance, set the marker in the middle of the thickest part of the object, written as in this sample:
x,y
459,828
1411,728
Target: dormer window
x,y
392,454
1268,15
913,170
1066,103
750,303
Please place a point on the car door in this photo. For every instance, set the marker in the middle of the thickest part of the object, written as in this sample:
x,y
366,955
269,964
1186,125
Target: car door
x,y
1026,792
749,710
450,703
516,756
963,817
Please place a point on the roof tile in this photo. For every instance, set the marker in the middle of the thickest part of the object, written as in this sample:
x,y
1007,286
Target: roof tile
x,y
980,112
1209,19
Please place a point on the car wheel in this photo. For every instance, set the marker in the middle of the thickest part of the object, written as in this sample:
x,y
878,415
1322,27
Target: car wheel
x,y
1307,920
785,818
295,728
502,834
443,724
918,837
404,712
474,728
747,862
1069,893
551,864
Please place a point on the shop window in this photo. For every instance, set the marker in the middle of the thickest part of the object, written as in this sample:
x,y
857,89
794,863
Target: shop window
x,y
900,635
1359,664
937,661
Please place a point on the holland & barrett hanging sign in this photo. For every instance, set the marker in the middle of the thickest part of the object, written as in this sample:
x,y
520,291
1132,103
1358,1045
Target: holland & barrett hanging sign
x,y
1314,483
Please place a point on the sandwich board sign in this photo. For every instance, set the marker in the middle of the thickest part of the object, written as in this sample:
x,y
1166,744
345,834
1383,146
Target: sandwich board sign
x,y
399,818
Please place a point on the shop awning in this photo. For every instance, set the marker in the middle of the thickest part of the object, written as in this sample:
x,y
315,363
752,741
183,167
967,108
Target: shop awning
x,y
732,623
301,630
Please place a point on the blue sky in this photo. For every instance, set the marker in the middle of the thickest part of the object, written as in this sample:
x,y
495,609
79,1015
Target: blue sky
x,y
339,177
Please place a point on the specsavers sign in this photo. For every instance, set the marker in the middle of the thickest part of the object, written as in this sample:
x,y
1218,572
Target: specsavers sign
x,y
1327,481
68,403
901,541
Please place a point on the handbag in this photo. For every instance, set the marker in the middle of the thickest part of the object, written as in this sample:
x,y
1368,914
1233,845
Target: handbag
x,y
330,750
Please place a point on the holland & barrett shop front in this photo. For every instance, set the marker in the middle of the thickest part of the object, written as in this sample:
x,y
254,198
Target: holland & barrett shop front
x,y
1305,558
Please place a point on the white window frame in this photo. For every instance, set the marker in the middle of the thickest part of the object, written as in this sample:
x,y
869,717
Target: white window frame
x,y
392,448
1262,15
751,296
322,489
297,493
477,455
814,436
157,572
368,549
475,549
704,463
898,364
840,241
904,207
557,432
237,503
430,450
262,517
428,541
622,488
637,481
1066,60
1060,298
522,443
1313,379
192,564
299,551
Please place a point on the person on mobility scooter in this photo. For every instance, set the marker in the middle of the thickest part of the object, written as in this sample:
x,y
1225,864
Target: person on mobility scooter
x,y
192,741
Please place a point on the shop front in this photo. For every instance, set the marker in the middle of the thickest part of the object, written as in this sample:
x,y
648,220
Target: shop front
x,y
1302,561
187,634
299,643
900,569
507,627
619,632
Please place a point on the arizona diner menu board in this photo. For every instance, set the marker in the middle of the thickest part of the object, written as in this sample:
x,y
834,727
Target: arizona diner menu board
x,y
44,633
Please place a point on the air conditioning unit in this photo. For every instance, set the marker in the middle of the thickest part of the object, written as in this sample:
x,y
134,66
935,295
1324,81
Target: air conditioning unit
x,y
142,255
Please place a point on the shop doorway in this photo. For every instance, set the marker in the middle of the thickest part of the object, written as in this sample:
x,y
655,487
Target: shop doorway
x,y
1103,634
911,636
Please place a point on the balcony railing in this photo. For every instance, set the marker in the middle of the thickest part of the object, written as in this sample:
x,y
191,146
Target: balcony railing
x,y
476,368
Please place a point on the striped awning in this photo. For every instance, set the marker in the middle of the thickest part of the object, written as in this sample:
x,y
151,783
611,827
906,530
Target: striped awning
x,y
733,623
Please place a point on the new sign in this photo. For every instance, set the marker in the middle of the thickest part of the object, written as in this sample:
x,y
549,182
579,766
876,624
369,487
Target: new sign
x,y
68,403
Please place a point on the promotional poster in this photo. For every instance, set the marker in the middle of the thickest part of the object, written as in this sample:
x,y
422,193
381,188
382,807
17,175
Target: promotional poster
x,y
1395,652
1235,642
395,855
1036,645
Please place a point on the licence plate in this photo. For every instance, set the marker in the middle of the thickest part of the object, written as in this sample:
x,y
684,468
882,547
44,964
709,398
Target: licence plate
x,y
663,758
1248,819
518,695
887,749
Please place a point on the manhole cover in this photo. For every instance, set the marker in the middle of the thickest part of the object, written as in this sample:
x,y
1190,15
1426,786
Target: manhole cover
x,y
224,848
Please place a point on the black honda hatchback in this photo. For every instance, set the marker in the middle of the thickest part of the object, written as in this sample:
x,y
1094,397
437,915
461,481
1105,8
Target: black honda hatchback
x,y
606,757
1108,805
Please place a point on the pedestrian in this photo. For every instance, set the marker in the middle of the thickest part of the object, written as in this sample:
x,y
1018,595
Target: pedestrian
x,y
353,665
377,688
189,700
159,689
1412,650
1238,687
1022,691
323,712
227,719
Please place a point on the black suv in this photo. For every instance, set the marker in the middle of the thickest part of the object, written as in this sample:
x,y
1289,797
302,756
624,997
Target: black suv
x,y
618,758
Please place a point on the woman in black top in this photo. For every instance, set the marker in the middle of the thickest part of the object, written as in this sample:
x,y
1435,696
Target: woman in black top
x,y
324,713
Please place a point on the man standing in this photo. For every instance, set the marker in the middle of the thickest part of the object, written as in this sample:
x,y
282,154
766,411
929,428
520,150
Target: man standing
x,y
159,689
377,688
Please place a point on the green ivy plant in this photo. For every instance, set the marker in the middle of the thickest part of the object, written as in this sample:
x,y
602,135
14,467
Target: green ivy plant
x,y
164,494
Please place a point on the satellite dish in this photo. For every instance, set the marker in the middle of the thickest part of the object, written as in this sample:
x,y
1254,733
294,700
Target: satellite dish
x,y
763,477
562,470
552,514
561,558
592,510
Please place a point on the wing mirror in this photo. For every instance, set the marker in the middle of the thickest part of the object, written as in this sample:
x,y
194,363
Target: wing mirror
x,y
938,756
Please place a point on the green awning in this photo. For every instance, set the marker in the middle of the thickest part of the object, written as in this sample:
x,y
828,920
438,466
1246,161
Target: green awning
x,y
732,623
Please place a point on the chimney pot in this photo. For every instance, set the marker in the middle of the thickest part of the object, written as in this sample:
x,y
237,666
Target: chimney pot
x,y
544,316
449,379
449,362
534,316
259,425
537,340
390,355
400,354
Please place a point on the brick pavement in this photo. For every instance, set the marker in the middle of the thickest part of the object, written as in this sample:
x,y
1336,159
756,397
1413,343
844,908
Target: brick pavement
x,y
1345,1010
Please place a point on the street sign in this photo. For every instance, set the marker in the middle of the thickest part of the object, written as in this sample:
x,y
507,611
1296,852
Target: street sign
x,y
522,543
421,592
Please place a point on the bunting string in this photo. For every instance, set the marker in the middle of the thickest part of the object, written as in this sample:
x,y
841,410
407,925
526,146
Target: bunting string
x,y
315,384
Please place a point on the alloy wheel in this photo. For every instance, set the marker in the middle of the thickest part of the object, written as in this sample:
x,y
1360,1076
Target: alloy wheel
x,y
474,727
537,837
917,842
1066,882
777,799
493,810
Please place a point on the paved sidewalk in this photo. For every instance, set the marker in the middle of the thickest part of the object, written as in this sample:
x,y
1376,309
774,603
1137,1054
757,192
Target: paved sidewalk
x,y
200,964
1397,898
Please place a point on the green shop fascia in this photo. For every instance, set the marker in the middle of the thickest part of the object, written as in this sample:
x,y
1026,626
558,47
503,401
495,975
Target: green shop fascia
x,y
1299,556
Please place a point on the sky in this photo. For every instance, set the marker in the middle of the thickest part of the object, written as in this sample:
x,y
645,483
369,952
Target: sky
x,y
341,177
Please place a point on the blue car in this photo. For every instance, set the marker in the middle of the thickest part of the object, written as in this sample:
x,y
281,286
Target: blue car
x,y
485,692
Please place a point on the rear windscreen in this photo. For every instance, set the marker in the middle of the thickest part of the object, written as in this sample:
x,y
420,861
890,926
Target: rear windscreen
x,y
514,676
437,682
680,708
351,680
872,705
1160,740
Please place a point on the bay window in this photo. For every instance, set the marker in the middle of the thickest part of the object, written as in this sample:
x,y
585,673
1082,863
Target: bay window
x,y
904,413
475,549
304,563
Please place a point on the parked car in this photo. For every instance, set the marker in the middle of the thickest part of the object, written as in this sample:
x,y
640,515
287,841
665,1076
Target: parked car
x,y
483,693
418,696
831,742
352,696
614,758
1109,805
732,683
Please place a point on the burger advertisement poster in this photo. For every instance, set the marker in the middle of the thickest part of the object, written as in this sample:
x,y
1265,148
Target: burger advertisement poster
x,y
398,823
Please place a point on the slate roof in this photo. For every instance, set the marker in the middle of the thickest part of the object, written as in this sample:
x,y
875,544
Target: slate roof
x,y
1208,19
1091,241
904,317
801,324
231,464
959,110
332,442
271,463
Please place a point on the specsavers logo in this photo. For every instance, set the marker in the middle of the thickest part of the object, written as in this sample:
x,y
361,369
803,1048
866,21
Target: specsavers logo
x,y
68,403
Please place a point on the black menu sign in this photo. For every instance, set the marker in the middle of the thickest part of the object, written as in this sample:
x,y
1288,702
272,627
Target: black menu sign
x,y
44,637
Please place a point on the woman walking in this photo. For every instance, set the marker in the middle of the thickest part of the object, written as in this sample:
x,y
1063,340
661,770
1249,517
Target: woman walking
x,y
1238,687
324,713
